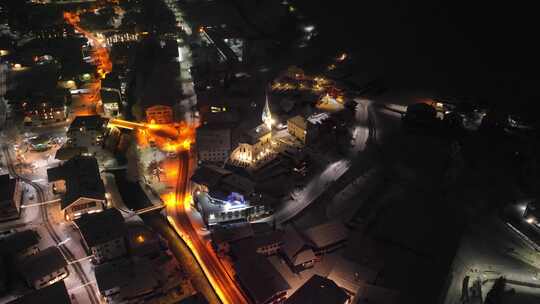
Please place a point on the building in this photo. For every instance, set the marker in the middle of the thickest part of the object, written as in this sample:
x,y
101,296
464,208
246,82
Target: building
x,y
223,236
45,110
87,131
256,148
127,281
266,244
55,293
318,290
213,143
224,197
103,234
297,252
111,100
326,237
10,198
44,268
159,114
20,245
84,189
142,241
302,129
261,281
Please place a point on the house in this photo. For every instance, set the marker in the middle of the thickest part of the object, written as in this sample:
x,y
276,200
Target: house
x,y
10,198
20,245
302,129
159,114
84,189
44,268
318,290
87,131
127,281
213,143
103,234
55,293
326,237
261,281
296,251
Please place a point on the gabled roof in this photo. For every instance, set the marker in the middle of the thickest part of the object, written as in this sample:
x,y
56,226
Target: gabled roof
x,y
99,228
318,290
19,241
293,243
82,177
55,293
259,278
43,263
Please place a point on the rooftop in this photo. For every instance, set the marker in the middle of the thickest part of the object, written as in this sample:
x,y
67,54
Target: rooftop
x,y
82,177
293,243
19,241
99,228
209,175
259,278
298,121
318,290
90,122
42,264
326,234
55,293
254,135
350,276
231,233
133,278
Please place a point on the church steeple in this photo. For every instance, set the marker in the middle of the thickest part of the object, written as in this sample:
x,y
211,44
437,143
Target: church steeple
x,y
266,114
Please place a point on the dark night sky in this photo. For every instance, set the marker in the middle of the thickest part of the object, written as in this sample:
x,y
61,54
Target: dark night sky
x,y
483,49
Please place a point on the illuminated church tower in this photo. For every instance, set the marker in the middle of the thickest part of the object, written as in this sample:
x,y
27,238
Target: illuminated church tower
x,y
267,115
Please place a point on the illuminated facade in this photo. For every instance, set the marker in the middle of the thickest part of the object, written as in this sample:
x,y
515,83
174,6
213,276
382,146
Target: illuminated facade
x,y
256,147
159,114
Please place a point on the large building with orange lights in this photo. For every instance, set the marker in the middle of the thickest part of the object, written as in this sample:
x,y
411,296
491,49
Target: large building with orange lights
x,y
159,114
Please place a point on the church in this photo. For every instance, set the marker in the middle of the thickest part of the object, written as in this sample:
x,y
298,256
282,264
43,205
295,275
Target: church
x,y
256,146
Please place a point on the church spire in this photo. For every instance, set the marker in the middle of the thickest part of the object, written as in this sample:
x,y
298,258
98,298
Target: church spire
x,y
266,114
